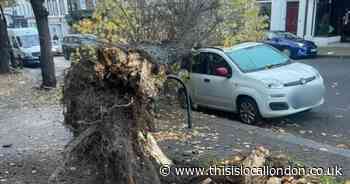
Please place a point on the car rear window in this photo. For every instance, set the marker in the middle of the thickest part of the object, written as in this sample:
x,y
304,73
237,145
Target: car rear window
x,y
257,58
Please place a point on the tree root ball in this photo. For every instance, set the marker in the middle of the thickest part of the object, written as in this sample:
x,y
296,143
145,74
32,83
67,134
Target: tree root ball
x,y
107,106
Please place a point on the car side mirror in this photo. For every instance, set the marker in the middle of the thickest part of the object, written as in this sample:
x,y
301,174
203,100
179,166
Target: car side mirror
x,y
223,72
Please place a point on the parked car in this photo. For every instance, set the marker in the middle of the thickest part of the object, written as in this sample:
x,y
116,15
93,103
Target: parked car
x,y
73,41
25,45
253,79
292,45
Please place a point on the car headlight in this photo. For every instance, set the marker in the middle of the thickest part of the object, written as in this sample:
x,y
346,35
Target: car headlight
x,y
301,44
273,84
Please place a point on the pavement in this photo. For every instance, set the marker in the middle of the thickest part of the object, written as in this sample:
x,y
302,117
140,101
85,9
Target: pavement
x,y
335,49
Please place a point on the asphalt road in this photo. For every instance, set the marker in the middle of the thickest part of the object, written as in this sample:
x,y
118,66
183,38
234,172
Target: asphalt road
x,y
330,123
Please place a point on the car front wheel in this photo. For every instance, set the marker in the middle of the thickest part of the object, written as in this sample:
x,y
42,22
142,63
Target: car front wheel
x,y
248,111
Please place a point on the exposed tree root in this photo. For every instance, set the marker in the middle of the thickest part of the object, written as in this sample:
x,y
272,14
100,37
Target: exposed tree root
x,y
107,107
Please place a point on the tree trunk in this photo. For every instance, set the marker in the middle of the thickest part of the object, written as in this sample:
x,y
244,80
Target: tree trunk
x,y
46,59
4,45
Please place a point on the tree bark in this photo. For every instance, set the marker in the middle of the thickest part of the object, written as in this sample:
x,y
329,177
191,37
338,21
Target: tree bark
x,y
46,59
4,45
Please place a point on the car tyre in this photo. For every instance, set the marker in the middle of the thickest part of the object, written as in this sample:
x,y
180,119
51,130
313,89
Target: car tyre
x,y
248,111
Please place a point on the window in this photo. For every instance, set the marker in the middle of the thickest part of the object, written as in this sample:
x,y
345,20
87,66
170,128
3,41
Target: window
x,y
216,61
27,41
200,64
257,58
323,24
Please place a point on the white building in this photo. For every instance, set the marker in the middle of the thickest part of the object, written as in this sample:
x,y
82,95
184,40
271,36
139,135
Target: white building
x,y
57,10
323,21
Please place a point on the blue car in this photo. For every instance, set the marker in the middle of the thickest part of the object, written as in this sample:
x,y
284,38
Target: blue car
x,y
292,45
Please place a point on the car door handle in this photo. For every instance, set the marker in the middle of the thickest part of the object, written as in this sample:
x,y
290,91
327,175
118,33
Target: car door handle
x,y
206,80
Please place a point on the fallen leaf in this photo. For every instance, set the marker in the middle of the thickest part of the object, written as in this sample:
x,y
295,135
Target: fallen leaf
x,y
343,146
323,149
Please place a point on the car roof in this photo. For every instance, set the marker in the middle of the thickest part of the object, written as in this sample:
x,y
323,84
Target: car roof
x,y
233,48
22,31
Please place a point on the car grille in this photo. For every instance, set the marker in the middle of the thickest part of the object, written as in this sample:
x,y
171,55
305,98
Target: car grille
x,y
300,82
307,96
36,54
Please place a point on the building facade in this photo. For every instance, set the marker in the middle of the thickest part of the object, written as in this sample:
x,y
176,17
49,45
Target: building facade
x,y
323,21
23,11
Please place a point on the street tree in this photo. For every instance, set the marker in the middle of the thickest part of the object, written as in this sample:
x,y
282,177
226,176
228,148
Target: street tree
x,y
242,22
4,40
46,58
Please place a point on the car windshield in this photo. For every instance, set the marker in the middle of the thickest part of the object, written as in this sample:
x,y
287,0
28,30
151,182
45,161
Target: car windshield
x,y
27,41
257,58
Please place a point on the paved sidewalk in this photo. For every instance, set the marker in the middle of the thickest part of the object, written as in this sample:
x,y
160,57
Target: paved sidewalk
x,y
220,138
336,49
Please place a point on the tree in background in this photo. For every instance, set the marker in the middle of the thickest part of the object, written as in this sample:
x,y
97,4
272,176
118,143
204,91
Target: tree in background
x,y
183,21
4,41
210,22
242,22
46,59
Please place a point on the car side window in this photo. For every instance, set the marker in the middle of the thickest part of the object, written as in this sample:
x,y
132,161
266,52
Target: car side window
x,y
217,61
200,63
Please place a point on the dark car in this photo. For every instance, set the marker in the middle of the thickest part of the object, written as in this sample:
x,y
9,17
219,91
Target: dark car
x,y
73,41
292,45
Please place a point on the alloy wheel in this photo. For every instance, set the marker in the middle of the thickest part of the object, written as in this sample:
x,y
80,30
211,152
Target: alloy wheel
x,y
247,113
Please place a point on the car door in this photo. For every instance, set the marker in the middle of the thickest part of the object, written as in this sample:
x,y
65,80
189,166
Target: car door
x,y
198,75
15,45
210,89
220,89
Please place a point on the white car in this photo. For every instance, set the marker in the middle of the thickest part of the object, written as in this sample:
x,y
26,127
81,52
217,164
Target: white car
x,y
254,80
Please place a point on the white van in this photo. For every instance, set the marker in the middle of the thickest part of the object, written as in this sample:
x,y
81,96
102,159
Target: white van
x,y
25,45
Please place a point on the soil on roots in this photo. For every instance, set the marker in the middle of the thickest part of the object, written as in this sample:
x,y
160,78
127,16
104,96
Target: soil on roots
x,y
108,108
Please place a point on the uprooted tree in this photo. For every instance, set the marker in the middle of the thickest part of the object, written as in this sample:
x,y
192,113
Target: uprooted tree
x,y
108,91
107,108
